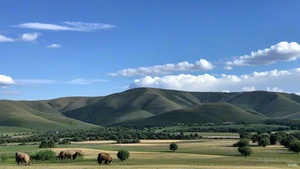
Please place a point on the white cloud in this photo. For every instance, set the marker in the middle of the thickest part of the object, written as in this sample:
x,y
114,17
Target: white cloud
x,y
6,80
202,64
5,39
249,89
36,81
30,37
274,89
66,26
85,81
282,51
274,80
54,46
10,92
51,81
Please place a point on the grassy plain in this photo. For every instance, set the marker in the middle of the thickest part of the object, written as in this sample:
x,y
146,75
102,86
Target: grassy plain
x,y
202,153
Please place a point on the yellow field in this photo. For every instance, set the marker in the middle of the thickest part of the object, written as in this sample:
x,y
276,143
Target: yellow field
x,y
154,154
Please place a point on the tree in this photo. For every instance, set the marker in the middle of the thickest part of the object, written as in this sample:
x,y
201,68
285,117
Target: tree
x,y
273,139
51,144
294,146
246,151
289,139
241,143
123,155
246,135
44,144
264,142
256,137
173,146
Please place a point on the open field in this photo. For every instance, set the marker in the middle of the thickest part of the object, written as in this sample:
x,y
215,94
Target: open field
x,y
203,153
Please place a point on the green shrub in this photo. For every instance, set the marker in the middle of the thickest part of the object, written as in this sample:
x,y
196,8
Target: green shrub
x,y
264,142
123,155
47,144
241,143
173,146
126,141
44,155
246,151
65,141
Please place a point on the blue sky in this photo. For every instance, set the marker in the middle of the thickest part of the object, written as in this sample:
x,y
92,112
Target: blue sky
x,y
51,49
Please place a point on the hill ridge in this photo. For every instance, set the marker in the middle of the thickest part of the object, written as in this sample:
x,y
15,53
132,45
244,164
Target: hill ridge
x,y
145,106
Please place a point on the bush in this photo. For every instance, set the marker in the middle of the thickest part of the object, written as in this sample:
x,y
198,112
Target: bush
x,y
173,146
44,155
126,141
65,141
245,135
264,142
294,146
47,144
123,155
246,151
241,143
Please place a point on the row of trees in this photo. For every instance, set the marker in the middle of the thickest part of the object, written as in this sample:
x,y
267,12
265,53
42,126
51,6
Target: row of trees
x,y
113,133
290,141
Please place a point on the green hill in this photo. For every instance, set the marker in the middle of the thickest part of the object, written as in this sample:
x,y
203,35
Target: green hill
x,y
148,106
36,115
202,113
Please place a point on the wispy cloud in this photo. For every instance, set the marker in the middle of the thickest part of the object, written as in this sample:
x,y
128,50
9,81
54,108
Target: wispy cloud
x,y
202,64
275,80
5,39
26,37
30,37
282,51
6,80
36,81
10,92
86,81
79,81
54,46
67,26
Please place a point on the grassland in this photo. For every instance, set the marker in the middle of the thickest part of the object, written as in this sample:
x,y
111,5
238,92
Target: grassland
x,y
203,153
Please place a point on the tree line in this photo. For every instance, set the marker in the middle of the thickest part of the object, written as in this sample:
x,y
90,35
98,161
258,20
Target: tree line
x,y
120,134
290,141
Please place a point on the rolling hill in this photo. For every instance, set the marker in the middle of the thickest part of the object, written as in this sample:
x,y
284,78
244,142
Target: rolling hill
x,y
149,106
36,115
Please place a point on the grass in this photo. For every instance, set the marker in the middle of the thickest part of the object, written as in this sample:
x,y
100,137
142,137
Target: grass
x,y
204,153
7,130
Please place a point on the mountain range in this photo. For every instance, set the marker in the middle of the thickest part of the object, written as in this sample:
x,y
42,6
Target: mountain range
x,y
149,106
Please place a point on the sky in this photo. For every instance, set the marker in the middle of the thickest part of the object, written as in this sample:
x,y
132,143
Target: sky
x,y
51,48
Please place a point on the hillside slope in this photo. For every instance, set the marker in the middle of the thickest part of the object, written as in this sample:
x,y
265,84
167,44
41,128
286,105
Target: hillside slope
x,y
149,106
202,113
36,115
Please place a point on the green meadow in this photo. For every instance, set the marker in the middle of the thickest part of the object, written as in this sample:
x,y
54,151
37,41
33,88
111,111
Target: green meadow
x,y
201,153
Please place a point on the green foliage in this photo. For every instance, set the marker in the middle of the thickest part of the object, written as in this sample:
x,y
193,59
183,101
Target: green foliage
x,y
44,155
241,143
123,155
245,151
173,147
126,141
246,135
47,144
264,142
65,141
294,146
289,139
